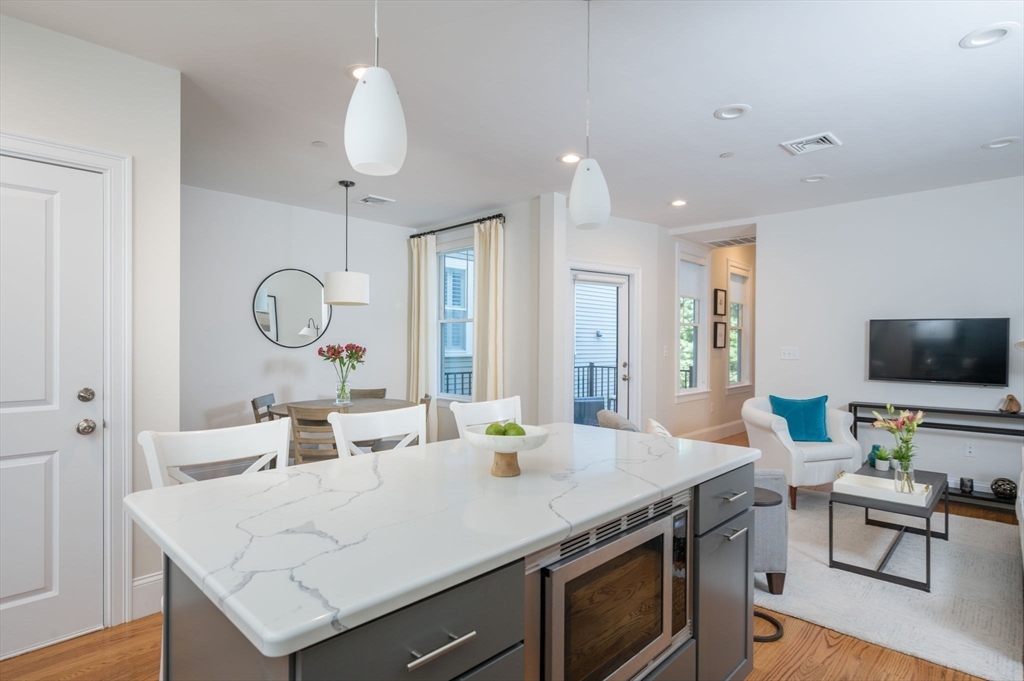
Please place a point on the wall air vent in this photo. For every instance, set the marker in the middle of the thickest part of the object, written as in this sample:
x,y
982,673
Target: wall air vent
x,y
374,200
806,145
736,241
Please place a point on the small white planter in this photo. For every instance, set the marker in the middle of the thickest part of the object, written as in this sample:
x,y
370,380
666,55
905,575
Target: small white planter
x,y
882,465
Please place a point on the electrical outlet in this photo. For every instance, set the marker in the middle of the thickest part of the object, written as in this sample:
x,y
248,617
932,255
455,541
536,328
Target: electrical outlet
x,y
712,405
969,449
790,353
664,351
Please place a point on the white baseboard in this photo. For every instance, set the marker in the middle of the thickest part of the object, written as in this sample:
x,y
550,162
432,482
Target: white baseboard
x,y
716,432
147,591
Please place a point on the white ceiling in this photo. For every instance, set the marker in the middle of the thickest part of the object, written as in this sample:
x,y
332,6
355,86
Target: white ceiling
x,y
493,91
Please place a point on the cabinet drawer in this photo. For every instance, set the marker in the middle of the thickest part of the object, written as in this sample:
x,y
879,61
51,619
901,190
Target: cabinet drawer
x,y
491,606
679,666
711,505
508,666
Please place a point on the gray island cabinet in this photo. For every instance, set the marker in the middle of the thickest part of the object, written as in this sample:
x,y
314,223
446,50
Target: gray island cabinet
x,y
414,564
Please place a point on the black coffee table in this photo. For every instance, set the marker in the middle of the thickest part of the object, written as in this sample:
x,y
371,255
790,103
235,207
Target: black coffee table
x,y
939,489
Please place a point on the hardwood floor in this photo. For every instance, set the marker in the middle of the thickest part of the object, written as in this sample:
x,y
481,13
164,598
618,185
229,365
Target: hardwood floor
x,y
806,652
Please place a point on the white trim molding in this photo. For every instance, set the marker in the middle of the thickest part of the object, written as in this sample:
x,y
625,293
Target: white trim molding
x,y
116,170
147,592
718,432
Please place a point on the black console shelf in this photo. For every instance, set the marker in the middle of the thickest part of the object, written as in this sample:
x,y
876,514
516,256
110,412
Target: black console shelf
x,y
856,407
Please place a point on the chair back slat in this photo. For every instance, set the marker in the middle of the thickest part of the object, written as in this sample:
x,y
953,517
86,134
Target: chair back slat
x,y
311,433
261,407
167,453
410,422
368,393
479,413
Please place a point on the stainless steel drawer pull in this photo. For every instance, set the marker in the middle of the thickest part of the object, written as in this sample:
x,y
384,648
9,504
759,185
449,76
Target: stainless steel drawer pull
x,y
736,496
446,648
734,535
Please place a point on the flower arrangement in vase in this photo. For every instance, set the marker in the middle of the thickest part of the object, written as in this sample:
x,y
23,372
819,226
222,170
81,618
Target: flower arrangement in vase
x,y
903,426
345,359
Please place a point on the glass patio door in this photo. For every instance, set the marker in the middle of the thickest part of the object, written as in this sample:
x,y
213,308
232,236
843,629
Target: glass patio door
x,y
600,378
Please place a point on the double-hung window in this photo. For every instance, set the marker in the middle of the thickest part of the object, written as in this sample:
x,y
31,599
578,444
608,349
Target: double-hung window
x,y
739,324
455,324
692,322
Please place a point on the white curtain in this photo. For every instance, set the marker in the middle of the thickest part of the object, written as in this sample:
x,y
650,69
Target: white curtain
x,y
423,325
488,336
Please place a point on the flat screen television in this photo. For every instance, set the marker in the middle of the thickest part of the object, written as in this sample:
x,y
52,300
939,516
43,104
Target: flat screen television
x,y
958,351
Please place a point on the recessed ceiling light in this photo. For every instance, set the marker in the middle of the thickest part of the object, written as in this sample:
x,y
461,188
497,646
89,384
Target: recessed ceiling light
x,y
727,113
318,144
811,179
568,158
677,202
988,35
1000,143
727,154
356,71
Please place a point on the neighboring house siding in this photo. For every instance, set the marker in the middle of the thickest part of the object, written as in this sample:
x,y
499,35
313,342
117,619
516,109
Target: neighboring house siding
x,y
596,312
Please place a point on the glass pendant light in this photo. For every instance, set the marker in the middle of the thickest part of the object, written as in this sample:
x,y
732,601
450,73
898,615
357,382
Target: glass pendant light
x,y
590,206
346,288
375,135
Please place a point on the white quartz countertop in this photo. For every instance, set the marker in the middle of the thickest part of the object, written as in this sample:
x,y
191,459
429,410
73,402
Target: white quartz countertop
x,y
296,556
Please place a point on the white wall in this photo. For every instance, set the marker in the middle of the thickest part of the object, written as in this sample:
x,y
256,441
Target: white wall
x,y
823,273
65,89
229,244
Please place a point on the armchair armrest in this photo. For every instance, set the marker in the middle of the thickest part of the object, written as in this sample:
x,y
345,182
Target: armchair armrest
x,y
839,425
762,419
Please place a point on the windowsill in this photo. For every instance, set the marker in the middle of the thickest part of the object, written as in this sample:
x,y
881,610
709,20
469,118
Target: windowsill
x,y
445,400
692,396
739,388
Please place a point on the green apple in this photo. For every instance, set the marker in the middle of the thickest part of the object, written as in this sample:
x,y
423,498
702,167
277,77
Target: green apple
x,y
513,428
495,429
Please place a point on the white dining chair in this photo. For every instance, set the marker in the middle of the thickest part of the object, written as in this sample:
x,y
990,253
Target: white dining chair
x,y
409,424
167,453
479,413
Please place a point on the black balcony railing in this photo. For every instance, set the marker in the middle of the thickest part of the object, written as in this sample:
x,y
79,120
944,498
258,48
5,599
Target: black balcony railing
x,y
593,381
457,383
687,377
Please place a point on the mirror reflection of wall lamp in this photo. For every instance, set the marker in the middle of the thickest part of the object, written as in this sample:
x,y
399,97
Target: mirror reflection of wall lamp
x,y
310,330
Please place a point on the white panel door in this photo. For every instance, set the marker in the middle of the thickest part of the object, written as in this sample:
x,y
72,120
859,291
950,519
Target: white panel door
x,y
600,345
51,347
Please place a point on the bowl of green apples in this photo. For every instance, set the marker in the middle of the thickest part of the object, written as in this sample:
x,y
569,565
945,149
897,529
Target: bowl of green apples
x,y
506,440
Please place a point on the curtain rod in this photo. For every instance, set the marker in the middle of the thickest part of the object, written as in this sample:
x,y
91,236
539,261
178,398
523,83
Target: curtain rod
x,y
496,216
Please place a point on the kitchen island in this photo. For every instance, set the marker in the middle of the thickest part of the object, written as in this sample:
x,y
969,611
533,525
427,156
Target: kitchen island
x,y
297,557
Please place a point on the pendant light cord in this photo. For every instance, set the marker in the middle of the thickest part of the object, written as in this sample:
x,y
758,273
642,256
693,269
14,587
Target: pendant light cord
x,y
376,37
588,78
346,229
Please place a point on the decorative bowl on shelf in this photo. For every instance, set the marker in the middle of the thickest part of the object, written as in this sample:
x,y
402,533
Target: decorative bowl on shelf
x,y
505,447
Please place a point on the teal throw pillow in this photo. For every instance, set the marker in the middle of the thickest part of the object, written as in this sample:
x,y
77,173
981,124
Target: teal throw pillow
x,y
805,418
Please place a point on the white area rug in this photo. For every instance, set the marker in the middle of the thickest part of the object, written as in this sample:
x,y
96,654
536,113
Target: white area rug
x,y
973,619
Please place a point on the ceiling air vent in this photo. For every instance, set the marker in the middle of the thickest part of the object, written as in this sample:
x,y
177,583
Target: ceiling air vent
x,y
374,200
806,145
737,241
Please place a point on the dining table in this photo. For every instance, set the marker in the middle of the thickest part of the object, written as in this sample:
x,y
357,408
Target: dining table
x,y
360,405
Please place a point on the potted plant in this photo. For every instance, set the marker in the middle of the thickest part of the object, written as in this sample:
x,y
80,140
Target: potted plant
x,y
882,458
345,359
903,427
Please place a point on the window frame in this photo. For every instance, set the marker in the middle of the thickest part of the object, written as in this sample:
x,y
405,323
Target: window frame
x,y
697,256
746,376
454,246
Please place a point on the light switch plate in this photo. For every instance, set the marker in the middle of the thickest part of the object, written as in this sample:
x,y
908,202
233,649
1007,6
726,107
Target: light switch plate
x,y
790,353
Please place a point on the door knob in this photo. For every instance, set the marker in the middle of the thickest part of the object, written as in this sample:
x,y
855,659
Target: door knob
x,y
625,377
86,394
86,426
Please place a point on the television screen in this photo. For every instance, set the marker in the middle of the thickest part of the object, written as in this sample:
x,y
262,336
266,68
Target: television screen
x,y
966,351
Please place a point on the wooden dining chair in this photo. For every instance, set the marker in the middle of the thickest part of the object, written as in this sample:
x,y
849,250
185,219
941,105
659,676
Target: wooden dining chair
x,y
479,413
167,453
369,393
410,424
312,436
261,407
385,445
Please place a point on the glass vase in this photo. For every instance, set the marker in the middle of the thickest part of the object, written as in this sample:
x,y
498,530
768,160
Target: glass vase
x,y
342,394
903,477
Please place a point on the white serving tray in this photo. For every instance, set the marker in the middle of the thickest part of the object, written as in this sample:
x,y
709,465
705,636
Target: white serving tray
x,y
883,489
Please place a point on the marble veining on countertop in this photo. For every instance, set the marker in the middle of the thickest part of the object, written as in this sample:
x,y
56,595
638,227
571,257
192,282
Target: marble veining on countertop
x,y
293,557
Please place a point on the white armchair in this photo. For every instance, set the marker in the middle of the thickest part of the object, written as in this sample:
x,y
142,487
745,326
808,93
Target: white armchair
x,y
805,463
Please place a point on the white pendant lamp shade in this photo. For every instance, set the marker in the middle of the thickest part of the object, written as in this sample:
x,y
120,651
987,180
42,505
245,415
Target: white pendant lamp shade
x,y
346,288
375,135
590,206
